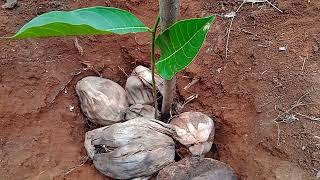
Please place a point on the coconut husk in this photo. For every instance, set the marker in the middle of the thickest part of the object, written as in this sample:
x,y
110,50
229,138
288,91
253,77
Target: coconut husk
x,y
140,110
103,101
196,168
136,148
194,130
139,86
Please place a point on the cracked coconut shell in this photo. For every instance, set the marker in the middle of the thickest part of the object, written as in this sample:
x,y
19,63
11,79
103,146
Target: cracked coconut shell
x,y
103,101
136,148
194,130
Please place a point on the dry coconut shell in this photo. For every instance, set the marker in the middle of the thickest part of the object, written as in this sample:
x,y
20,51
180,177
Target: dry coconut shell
x,y
194,130
197,168
139,86
140,110
103,101
136,148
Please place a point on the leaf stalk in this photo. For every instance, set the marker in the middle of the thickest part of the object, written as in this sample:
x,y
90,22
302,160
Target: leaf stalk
x,y
153,63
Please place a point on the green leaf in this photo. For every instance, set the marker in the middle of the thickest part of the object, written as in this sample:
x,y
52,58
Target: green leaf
x,y
86,21
180,44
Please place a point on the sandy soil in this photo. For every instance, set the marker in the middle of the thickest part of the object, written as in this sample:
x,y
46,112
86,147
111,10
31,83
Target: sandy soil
x,y
41,138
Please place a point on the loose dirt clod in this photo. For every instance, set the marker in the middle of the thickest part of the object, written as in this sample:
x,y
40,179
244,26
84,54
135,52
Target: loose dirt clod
x,y
139,86
194,130
139,110
136,148
102,100
197,168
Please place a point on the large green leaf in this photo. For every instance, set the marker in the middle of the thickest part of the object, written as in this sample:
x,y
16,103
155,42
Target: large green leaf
x,y
180,44
86,21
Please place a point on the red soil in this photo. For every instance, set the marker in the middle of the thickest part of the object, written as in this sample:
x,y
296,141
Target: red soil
x,y
40,138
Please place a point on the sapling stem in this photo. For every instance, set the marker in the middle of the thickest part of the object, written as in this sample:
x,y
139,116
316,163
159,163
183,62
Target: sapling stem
x,y
169,11
153,63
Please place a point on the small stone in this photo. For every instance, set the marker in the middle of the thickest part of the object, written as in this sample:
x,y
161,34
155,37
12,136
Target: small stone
x,y
284,48
315,48
71,108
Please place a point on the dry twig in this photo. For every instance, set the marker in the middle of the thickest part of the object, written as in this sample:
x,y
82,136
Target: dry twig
x,y
77,166
297,104
189,99
193,82
235,13
304,62
278,134
262,1
124,72
312,118
40,174
77,45
274,6
269,102
228,36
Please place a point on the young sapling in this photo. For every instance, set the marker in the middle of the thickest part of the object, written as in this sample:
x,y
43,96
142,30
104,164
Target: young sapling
x,y
179,42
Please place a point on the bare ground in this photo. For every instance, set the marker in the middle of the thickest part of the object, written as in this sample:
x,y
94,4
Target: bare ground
x,y
40,138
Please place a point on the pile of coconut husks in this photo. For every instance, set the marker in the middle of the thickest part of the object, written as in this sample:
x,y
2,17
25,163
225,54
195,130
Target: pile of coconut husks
x,y
132,144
